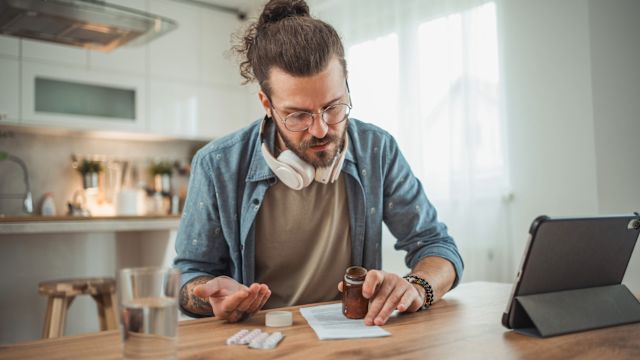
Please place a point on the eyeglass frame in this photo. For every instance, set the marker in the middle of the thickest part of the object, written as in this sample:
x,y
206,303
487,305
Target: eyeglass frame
x,y
313,114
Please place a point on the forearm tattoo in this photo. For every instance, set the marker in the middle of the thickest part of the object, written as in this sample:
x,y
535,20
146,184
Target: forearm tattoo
x,y
193,303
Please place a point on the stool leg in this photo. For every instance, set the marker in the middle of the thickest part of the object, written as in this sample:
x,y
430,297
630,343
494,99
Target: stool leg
x,y
115,314
107,312
56,316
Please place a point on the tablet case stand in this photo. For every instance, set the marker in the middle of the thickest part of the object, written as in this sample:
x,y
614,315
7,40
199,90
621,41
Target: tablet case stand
x,y
568,311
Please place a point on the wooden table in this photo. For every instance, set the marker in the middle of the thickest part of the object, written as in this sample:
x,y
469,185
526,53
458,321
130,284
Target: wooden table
x,y
464,325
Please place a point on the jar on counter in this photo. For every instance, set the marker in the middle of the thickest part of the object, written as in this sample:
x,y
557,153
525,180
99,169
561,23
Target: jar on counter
x,y
354,304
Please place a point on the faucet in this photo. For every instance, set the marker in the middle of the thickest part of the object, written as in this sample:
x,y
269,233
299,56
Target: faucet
x,y
27,203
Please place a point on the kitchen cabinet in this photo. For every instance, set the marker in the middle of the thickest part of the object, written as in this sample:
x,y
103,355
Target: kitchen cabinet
x,y
224,110
34,50
9,90
184,84
174,108
127,58
174,56
124,59
72,98
195,112
217,63
199,102
9,46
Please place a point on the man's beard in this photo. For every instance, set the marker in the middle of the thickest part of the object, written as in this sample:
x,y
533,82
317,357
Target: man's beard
x,y
323,158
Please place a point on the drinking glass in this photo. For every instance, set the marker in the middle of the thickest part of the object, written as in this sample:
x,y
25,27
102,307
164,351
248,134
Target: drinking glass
x,y
148,303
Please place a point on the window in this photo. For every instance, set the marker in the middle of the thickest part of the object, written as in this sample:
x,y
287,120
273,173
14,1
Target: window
x,y
459,105
373,79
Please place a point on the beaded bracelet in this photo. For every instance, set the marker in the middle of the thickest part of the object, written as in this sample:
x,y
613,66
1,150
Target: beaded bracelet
x,y
428,290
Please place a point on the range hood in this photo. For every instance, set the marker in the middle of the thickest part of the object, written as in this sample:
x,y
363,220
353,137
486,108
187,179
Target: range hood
x,y
89,24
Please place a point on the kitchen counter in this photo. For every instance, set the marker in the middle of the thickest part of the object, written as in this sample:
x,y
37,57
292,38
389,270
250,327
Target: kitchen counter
x,y
37,248
74,224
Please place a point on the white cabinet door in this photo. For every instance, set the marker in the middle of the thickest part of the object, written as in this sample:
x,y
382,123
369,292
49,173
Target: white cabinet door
x,y
127,58
195,112
174,108
54,53
174,55
224,110
9,46
71,98
9,90
217,63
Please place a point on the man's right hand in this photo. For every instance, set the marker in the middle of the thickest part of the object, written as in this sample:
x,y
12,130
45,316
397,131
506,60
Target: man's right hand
x,y
231,300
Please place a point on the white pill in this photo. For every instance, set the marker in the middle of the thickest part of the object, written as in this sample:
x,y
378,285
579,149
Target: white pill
x,y
257,342
250,336
272,341
233,339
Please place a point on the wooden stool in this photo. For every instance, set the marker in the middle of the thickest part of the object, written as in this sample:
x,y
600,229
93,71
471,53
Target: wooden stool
x,y
61,294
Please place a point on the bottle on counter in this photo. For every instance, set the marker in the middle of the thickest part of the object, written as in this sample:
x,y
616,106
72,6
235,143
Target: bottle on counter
x,y
48,207
354,304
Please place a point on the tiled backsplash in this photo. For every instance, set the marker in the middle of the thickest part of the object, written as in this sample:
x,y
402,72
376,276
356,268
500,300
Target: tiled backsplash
x,y
48,158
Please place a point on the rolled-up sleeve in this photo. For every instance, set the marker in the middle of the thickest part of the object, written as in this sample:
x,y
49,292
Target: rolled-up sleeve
x,y
200,244
411,218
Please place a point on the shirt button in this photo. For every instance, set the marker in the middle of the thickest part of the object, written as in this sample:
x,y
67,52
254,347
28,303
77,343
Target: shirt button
x,y
255,201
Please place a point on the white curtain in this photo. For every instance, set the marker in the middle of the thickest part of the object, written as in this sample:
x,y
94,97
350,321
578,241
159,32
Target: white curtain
x,y
428,72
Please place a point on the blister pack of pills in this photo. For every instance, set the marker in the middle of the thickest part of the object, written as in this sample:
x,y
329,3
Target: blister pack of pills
x,y
256,339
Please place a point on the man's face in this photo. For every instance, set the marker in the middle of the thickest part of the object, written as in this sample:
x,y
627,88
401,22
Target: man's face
x,y
319,144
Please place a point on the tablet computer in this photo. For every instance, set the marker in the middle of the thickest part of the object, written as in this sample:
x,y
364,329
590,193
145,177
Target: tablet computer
x,y
567,255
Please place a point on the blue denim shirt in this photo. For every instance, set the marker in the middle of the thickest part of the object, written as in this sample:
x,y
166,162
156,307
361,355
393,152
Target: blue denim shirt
x,y
229,180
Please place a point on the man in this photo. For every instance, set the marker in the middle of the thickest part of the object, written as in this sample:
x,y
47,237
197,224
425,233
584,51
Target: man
x,y
276,212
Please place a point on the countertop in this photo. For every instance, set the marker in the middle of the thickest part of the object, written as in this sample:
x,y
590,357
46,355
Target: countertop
x,y
66,224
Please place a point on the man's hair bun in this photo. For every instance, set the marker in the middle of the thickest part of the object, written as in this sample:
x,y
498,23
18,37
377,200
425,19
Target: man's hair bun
x,y
287,37
277,10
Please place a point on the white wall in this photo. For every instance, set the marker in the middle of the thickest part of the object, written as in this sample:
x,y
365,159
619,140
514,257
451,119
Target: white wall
x,y
615,77
545,54
572,90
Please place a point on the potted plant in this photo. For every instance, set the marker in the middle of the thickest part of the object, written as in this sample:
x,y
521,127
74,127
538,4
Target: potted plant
x,y
161,172
90,169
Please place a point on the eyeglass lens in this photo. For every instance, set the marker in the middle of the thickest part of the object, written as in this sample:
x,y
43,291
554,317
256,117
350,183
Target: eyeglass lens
x,y
302,120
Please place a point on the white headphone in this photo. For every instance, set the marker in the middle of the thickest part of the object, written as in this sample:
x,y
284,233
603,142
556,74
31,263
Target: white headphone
x,y
295,172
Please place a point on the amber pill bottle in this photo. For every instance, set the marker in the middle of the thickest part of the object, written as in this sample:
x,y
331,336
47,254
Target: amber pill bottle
x,y
354,305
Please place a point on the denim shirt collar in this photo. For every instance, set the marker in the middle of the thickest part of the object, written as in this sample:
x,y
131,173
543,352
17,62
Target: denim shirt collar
x,y
259,169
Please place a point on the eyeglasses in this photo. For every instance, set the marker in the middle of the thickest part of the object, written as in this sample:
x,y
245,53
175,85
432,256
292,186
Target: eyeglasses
x,y
302,120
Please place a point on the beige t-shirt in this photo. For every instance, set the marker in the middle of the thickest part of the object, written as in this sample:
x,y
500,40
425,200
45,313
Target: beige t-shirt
x,y
303,243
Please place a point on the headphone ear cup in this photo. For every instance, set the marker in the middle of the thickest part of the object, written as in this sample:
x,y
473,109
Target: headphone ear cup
x,y
305,172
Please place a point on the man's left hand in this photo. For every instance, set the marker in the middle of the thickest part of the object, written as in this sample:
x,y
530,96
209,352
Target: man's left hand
x,y
387,292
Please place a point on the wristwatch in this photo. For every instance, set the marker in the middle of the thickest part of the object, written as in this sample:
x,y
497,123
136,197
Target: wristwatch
x,y
428,290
